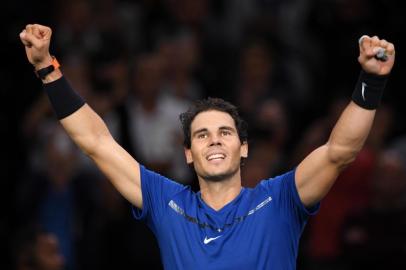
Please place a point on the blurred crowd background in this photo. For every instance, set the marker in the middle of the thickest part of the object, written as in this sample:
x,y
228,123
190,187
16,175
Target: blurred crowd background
x,y
290,66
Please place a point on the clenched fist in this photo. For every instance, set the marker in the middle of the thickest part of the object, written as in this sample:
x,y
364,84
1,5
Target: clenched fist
x,y
36,39
368,50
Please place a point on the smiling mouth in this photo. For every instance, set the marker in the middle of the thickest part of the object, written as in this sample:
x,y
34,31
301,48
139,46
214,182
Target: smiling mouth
x,y
216,156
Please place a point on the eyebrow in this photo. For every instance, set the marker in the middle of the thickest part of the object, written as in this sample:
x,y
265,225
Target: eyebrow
x,y
227,128
220,128
199,131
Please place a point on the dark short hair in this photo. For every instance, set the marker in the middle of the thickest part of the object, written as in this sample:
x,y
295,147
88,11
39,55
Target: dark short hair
x,y
209,104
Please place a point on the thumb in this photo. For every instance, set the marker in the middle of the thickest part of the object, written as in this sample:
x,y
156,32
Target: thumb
x,y
29,39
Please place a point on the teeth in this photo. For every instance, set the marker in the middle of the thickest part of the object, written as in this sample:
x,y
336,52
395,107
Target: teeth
x,y
215,156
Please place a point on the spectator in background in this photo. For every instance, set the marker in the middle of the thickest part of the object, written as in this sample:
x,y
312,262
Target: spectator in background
x,y
91,27
189,13
268,146
260,96
37,250
75,21
257,81
115,241
152,113
181,55
374,237
352,189
56,196
347,20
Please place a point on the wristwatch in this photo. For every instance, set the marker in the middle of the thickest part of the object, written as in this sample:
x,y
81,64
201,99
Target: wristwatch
x,y
43,72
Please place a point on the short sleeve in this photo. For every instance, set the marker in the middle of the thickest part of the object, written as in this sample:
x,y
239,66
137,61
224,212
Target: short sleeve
x,y
283,189
156,191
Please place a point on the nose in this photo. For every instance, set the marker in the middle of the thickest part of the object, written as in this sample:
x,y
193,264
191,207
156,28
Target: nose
x,y
215,140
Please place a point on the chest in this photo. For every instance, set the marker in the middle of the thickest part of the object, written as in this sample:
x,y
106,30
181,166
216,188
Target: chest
x,y
239,238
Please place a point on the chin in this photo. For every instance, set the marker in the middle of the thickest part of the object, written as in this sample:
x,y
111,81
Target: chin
x,y
220,176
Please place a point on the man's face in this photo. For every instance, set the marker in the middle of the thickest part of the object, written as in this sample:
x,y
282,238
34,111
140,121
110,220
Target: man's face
x,y
215,149
48,254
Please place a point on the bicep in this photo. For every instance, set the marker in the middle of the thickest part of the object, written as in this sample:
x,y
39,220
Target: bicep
x,y
315,175
120,168
317,172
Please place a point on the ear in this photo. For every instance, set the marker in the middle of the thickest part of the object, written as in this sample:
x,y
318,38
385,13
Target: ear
x,y
188,155
244,150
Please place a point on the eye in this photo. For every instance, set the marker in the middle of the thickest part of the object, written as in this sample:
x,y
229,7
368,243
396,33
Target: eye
x,y
225,133
202,136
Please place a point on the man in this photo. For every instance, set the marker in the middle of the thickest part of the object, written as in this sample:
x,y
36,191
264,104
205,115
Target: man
x,y
38,250
224,226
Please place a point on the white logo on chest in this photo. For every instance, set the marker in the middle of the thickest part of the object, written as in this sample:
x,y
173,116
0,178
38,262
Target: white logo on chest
x,y
208,240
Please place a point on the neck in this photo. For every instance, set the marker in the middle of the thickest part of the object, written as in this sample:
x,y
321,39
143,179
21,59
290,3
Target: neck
x,y
218,194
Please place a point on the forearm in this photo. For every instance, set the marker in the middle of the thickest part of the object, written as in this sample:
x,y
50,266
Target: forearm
x,y
86,129
82,124
354,124
349,134
317,172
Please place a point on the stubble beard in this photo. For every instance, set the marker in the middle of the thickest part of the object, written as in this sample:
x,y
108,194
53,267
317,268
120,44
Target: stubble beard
x,y
220,176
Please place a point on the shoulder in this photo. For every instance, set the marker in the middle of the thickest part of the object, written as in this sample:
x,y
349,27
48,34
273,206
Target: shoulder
x,y
278,181
159,185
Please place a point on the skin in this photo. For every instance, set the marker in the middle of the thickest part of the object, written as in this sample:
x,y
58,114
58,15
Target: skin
x,y
220,181
48,254
214,134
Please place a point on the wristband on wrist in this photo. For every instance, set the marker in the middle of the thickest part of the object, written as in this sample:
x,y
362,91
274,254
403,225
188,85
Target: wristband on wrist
x,y
43,72
63,98
368,90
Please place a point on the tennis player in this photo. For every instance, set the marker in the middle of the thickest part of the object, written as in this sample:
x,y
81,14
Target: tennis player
x,y
224,225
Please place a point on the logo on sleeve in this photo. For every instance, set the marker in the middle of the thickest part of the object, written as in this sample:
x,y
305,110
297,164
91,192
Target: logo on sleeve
x,y
364,86
208,240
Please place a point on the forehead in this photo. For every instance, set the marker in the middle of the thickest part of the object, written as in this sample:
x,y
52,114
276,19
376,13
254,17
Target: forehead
x,y
212,120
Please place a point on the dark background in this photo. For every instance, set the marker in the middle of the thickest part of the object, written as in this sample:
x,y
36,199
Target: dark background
x,y
328,54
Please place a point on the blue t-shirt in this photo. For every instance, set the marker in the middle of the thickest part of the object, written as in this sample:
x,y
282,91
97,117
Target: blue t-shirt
x,y
259,229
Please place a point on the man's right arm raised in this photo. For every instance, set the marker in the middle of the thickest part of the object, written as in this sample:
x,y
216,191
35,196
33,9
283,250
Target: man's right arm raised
x,y
84,126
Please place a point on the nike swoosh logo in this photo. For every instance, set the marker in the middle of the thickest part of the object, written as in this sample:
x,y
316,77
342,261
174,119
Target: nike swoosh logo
x,y
364,85
208,240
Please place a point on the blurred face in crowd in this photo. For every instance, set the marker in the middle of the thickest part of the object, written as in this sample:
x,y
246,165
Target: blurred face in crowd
x,y
40,253
48,253
61,158
148,76
43,254
216,149
256,65
389,182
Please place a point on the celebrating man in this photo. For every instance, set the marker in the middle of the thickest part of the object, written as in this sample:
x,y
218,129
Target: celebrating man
x,y
224,225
